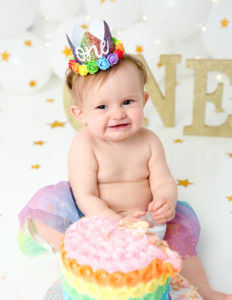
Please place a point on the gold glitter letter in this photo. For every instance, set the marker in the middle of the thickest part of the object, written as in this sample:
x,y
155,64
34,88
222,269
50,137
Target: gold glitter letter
x,y
165,105
201,68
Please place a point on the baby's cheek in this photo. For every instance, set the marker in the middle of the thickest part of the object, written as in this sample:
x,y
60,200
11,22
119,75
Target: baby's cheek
x,y
98,122
138,115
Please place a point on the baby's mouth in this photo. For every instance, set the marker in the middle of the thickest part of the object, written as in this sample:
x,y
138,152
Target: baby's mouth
x,y
119,125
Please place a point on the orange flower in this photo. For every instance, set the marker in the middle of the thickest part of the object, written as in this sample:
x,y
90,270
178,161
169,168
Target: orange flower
x,y
63,254
66,260
117,279
147,274
157,268
75,67
119,46
132,278
168,269
102,277
86,273
74,267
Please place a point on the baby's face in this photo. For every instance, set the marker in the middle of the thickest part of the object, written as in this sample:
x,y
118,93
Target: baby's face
x,y
113,110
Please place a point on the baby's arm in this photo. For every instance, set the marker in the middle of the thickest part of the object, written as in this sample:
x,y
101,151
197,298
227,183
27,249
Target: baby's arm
x,y
82,169
162,184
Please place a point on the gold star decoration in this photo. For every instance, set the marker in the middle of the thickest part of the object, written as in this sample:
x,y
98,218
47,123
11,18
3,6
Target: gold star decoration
x,y
84,26
28,43
102,1
230,154
159,65
67,51
50,100
36,167
139,49
178,141
229,198
5,56
184,182
32,83
56,124
224,23
39,143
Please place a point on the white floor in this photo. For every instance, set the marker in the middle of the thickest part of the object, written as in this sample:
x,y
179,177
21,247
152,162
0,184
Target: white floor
x,y
204,161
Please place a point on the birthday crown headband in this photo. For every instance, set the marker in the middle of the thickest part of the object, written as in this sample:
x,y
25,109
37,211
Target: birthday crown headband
x,y
94,51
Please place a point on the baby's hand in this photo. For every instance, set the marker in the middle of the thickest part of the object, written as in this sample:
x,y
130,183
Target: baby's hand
x,y
162,210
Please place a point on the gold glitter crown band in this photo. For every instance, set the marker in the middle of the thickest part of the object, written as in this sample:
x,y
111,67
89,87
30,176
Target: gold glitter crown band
x,y
94,50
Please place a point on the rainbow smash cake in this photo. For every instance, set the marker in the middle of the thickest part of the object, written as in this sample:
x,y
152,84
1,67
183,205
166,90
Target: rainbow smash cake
x,y
101,259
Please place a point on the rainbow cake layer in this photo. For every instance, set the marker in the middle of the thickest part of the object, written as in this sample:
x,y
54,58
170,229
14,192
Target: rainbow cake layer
x,y
102,260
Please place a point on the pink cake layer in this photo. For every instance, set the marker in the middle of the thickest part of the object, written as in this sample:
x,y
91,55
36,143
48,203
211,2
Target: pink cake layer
x,y
101,244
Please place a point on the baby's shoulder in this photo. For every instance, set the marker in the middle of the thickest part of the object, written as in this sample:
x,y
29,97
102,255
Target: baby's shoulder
x,y
82,139
149,135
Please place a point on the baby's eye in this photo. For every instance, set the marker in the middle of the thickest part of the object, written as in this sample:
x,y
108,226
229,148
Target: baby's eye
x,y
103,106
126,102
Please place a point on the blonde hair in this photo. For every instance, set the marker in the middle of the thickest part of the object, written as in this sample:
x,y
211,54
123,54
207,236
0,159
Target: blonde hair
x,y
77,84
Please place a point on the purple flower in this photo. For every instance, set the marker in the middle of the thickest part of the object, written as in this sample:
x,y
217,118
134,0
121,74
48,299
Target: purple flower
x,y
112,59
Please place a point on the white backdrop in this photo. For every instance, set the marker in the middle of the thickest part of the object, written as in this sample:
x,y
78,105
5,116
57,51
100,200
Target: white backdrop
x,y
33,59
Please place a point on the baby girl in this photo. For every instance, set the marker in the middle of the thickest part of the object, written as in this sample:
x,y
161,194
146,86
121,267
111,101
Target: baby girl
x,y
117,168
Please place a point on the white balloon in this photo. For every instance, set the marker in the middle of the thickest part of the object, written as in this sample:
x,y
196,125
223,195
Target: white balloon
x,y
43,29
58,10
58,59
119,14
16,16
216,38
24,66
175,19
138,35
190,47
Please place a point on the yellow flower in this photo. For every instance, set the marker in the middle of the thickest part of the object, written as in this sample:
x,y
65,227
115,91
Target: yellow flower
x,y
119,46
83,70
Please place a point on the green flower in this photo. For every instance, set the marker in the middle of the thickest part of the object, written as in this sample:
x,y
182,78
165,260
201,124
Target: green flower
x,y
114,40
92,67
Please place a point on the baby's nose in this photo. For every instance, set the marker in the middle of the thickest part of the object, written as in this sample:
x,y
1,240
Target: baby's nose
x,y
118,114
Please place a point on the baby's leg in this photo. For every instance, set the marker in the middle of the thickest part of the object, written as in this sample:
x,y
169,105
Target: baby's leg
x,y
45,218
48,235
194,272
182,236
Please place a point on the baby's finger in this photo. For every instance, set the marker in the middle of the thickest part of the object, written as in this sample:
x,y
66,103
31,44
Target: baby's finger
x,y
157,204
167,216
139,213
150,206
165,208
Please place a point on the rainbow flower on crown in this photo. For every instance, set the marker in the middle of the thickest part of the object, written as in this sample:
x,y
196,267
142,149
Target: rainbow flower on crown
x,y
94,51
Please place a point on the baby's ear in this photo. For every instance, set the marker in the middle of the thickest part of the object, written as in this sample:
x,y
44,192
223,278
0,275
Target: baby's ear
x,y
145,97
77,112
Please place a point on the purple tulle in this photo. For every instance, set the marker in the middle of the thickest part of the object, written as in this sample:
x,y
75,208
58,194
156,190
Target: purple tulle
x,y
55,207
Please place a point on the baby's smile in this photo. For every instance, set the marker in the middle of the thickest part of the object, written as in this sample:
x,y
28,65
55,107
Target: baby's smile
x,y
119,126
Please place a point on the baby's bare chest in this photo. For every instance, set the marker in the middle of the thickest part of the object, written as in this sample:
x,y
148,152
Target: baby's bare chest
x,y
123,163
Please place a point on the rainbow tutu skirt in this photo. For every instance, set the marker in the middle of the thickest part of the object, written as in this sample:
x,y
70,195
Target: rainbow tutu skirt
x,y
55,207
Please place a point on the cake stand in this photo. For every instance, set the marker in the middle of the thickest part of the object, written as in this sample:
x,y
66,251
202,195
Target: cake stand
x,y
181,289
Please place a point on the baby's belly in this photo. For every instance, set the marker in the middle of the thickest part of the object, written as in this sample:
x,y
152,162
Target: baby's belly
x,y
125,197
